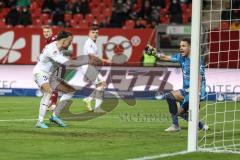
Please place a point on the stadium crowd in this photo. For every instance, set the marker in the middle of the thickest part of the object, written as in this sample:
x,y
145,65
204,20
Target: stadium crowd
x,y
106,13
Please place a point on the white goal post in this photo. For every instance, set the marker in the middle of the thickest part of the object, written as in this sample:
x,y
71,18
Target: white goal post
x,y
194,74
222,113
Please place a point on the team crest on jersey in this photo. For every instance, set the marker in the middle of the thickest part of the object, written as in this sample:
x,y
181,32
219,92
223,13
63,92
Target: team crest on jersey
x,y
55,52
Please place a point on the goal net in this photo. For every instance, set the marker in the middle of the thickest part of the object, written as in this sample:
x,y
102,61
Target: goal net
x,y
219,42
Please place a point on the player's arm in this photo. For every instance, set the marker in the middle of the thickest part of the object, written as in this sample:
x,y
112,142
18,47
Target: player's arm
x,y
160,55
82,60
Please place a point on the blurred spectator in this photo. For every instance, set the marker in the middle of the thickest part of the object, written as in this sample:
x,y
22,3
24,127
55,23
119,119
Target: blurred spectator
x,y
235,4
158,3
155,14
235,14
84,8
25,17
60,4
23,3
73,7
128,9
116,19
235,25
122,10
175,7
9,3
139,24
145,11
48,6
104,23
175,12
12,17
58,17
226,13
187,1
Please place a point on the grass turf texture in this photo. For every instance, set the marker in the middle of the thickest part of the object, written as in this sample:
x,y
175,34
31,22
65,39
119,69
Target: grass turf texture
x,y
126,132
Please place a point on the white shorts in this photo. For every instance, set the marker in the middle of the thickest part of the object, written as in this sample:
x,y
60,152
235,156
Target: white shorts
x,y
42,78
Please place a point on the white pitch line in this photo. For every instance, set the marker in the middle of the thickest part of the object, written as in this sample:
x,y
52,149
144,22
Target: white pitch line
x,y
160,156
16,120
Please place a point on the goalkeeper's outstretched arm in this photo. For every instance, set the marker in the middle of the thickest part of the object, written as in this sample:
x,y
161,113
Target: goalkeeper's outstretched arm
x,y
160,55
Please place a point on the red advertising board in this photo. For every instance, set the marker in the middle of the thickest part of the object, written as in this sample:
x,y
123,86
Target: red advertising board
x,y
23,45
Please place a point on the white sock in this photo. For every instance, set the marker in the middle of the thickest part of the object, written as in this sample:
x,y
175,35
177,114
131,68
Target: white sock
x,y
43,106
62,103
98,103
66,96
99,96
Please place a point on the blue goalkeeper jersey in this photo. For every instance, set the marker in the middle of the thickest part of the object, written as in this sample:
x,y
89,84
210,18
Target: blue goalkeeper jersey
x,y
185,65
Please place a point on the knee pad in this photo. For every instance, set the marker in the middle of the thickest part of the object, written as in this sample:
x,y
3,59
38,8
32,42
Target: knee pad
x,y
171,103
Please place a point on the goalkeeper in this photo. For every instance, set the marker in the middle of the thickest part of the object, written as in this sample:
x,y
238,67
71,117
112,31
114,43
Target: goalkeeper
x,y
178,100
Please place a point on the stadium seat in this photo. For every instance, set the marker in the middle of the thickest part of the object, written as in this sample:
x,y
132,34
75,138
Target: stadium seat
x,y
73,23
44,17
102,6
164,19
56,27
107,2
78,17
67,17
129,24
2,24
185,18
100,18
37,12
83,24
95,12
37,22
19,26
30,26
224,25
33,6
89,18
107,12
184,7
4,11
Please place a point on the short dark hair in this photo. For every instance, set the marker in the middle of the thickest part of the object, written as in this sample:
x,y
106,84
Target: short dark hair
x,y
188,40
63,34
93,27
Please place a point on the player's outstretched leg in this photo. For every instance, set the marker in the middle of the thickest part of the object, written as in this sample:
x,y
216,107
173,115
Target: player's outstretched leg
x,y
64,101
99,99
173,109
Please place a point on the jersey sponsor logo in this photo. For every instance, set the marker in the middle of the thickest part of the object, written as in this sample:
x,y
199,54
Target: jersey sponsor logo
x,y
9,47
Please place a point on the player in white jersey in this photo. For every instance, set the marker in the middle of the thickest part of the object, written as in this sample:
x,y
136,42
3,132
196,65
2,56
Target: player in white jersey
x,y
92,74
43,73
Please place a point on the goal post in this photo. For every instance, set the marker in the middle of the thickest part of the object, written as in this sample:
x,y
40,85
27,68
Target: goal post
x,y
221,109
194,77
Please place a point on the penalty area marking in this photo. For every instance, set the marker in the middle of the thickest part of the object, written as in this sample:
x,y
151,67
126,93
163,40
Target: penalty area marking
x,y
160,156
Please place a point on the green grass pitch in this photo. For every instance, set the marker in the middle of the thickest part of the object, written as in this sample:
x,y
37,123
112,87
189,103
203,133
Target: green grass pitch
x,y
125,132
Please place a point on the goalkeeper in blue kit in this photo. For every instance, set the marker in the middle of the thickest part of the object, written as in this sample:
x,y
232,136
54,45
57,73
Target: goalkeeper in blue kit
x,y
178,100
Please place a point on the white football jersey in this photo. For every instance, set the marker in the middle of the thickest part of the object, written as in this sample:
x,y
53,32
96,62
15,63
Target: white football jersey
x,y
49,59
90,47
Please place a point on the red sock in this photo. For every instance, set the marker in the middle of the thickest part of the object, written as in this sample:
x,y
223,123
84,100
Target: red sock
x,y
54,97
